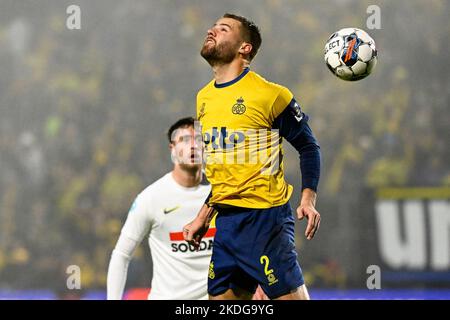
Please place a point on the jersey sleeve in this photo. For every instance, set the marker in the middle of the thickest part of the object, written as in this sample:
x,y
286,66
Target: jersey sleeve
x,y
282,100
292,124
118,267
139,219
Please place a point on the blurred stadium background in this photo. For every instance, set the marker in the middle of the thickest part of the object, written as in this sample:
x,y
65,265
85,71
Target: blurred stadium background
x,y
83,115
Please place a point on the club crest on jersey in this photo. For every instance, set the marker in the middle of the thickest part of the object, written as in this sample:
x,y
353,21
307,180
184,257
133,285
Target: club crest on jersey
x,y
238,107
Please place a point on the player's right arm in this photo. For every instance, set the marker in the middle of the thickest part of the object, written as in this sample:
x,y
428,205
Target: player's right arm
x,y
136,227
118,267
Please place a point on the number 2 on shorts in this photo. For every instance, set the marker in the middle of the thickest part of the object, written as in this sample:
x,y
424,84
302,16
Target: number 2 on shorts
x,y
265,260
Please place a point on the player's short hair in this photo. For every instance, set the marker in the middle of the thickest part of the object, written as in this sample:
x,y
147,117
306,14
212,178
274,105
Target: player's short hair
x,y
182,123
249,31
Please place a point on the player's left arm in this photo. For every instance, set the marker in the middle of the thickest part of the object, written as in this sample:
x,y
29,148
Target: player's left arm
x,y
292,124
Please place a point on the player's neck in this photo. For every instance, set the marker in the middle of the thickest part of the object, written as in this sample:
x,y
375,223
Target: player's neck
x,y
187,178
227,72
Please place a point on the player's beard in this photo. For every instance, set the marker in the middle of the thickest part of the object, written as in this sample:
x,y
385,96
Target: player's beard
x,y
192,162
220,54
192,168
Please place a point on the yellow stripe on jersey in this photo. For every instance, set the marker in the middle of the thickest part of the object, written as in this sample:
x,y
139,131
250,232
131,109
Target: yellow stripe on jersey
x,y
243,154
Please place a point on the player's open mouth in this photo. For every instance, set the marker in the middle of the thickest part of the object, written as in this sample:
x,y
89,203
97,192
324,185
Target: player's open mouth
x,y
195,158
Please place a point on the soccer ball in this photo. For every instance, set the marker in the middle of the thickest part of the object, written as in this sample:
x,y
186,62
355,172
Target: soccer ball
x,y
350,54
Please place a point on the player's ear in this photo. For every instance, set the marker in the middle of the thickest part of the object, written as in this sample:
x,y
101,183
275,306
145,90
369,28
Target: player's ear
x,y
245,48
173,153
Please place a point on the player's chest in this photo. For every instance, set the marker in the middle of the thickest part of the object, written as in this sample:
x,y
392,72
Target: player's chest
x,y
171,216
174,213
234,110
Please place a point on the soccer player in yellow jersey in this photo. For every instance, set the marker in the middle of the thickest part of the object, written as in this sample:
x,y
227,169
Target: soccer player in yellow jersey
x,y
243,119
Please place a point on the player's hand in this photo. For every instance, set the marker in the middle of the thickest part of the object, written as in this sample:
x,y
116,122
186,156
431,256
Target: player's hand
x,y
313,217
194,231
307,209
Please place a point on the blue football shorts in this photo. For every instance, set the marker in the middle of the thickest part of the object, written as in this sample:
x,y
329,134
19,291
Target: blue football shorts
x,y
255,246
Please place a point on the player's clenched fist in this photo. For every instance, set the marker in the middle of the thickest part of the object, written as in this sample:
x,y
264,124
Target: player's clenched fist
x,y
194,231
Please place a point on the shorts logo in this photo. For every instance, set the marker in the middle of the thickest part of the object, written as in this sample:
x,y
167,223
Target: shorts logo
x,y
239,107
211,273
271,279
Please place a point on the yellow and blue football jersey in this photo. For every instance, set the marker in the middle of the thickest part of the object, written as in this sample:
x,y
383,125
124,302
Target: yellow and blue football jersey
x,y
244,161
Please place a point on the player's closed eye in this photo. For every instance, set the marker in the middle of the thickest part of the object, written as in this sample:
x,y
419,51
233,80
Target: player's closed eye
x,y
222,27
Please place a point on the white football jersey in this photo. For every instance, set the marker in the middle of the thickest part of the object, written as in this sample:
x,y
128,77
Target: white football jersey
x,y
161,211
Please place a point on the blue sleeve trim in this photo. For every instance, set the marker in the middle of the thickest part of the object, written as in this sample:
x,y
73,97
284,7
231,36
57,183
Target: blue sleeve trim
x,y
292,124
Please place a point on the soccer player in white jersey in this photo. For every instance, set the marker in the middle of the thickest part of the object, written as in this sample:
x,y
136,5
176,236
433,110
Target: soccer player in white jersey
x,y
160,212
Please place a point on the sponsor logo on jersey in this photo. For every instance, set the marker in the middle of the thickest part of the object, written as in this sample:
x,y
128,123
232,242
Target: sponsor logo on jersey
x,y
260,147
169,210
178,243
223,138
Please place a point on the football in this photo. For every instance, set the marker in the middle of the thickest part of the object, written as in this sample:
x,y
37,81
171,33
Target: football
x,y
351,54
